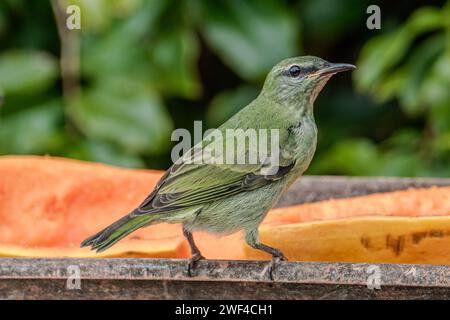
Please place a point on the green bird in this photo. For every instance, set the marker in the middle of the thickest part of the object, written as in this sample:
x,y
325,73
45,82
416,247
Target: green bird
x,y
223,198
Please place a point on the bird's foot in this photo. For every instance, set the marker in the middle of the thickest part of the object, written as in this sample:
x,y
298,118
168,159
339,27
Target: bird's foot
x,y
275,259
193,262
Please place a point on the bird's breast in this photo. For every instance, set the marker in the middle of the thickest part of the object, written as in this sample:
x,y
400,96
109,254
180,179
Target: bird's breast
x,y
302,143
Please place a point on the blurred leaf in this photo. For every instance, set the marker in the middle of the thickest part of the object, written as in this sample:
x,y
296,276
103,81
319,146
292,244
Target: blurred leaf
x,y
35,130
95,14
98,15
442,145
16,4
166,59
405,139
391,85
440,117
424,20
435,89
132,118
377,56
228,103
174,58
328,20
124,8
250,36
2,97
382,53
419,63
395,163
3,22
120,51
26,72
92,150
349,157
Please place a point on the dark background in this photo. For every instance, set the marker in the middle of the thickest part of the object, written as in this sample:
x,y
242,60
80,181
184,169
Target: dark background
x,y
114,91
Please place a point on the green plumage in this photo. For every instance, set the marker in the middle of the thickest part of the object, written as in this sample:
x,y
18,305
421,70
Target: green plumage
x,y
224,198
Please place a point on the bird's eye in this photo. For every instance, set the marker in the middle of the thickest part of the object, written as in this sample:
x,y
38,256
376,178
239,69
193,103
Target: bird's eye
x,y
294,71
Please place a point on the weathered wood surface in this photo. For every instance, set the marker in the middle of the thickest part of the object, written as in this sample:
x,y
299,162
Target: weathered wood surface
x,y
166,279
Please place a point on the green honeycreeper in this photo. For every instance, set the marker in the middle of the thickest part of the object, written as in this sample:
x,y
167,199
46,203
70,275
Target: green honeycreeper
x,y
225,198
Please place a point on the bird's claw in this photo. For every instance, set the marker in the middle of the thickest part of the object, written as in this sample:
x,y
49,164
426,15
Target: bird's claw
x,y
273,262
192,263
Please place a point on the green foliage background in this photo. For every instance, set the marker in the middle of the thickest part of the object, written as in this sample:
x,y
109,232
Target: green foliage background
x,y
149,66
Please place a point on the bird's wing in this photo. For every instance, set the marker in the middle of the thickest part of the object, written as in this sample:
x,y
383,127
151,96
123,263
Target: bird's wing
x,y
187,184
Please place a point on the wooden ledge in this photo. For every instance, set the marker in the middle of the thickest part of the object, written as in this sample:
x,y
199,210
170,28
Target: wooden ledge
x,y
166,279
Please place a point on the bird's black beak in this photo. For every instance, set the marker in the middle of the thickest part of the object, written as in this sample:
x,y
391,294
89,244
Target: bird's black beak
x,y
333,68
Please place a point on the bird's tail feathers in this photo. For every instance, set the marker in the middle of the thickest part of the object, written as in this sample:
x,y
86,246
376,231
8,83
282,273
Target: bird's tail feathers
x,y
116,231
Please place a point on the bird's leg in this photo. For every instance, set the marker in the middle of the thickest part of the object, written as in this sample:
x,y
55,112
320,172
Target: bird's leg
x,y
252,239
196,255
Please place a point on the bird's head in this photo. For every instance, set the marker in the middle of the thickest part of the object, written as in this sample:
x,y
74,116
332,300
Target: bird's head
x,y
299,80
